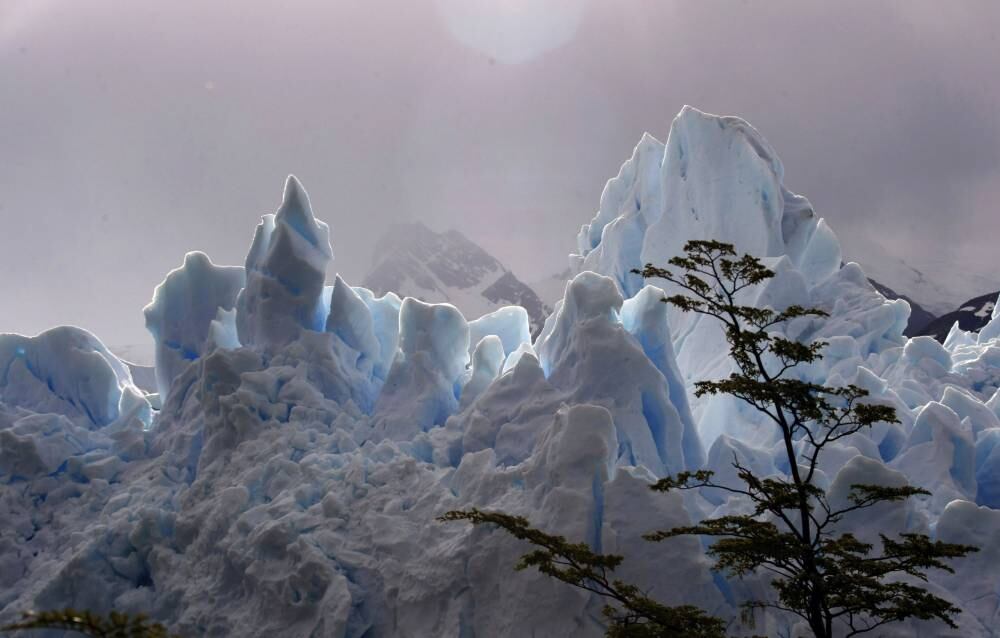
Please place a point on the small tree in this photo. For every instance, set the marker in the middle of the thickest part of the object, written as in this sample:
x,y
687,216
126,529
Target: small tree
x,y
827,578
834,581
115,625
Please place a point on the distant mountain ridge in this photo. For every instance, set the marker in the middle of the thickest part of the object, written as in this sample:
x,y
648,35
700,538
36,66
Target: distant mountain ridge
x,y
934,287
414,261
971,316
936,284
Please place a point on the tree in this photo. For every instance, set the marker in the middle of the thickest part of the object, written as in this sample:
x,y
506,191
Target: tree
x,y
829,579
116,625
834,581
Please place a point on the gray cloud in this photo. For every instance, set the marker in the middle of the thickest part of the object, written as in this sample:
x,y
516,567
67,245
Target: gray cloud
x,y
133,132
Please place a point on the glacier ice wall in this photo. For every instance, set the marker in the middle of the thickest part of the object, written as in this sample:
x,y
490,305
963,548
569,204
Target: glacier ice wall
x,y
285,271
67,371
307,435
183,310
717,178
423,386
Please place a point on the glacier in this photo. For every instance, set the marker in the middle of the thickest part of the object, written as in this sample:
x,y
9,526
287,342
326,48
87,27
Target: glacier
x,y
183,310
286,477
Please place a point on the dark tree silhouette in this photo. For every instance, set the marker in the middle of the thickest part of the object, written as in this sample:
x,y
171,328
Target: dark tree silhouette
x,y
833,581
115,625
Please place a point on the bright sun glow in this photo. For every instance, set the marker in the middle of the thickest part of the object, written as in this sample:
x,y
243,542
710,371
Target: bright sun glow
x,y
512,31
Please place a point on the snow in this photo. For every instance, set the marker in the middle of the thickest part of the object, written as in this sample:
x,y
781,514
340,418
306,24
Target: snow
x,y
290,479
717,178
899,515
988,468
644,316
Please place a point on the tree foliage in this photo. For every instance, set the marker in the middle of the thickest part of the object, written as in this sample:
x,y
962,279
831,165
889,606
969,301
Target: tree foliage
x,y
115,625
837,583
834,581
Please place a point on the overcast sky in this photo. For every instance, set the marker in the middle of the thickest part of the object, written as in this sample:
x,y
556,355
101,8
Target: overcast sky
x,y
134,131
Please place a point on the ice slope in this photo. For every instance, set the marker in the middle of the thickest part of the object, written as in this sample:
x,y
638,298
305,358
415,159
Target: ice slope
x,y
290,482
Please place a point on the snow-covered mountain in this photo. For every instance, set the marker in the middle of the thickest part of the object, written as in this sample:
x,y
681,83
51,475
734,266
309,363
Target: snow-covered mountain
x,y
938,285
311,434
414,261
972,316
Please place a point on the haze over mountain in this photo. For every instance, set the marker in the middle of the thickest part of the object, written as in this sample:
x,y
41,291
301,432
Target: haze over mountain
x,y
937,283
414,261
164,121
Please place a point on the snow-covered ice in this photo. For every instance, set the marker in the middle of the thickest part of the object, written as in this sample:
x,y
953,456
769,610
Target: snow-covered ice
x,y
285,270
286,479
184,309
